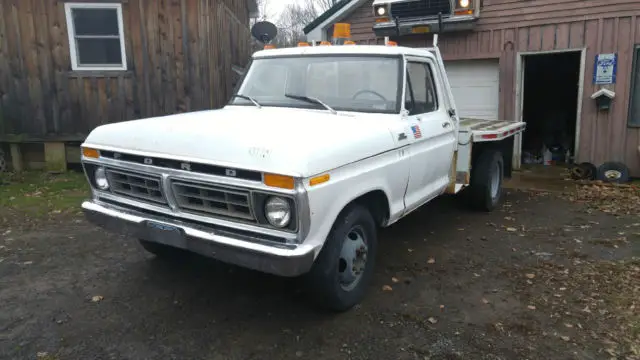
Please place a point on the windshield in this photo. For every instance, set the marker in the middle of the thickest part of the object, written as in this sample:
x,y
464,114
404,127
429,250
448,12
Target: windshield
x,y
345,83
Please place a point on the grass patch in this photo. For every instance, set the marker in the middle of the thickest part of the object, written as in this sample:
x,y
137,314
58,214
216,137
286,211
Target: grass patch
x,y
37,194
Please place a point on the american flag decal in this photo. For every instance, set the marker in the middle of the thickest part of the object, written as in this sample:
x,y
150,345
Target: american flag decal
x,y
416,131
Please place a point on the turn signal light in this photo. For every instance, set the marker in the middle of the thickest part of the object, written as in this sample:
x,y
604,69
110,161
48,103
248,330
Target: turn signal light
x,y
279,181
90,153
269,46
392,43
325,43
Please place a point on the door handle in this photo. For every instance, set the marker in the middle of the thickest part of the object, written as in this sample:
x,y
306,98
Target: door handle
x,y
446,124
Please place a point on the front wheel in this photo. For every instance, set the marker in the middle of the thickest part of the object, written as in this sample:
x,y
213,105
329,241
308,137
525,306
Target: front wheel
x,y
486,181
344,268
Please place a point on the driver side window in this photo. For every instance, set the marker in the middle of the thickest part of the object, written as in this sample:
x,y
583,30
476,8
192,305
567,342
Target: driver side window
x,y
420,89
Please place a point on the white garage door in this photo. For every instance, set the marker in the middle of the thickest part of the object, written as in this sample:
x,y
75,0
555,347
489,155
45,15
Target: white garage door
x,y
475,86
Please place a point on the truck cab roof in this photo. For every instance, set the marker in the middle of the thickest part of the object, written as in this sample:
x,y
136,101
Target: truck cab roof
x,y
344,50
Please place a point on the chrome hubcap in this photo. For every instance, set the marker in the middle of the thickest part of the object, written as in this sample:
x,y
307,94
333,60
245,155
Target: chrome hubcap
x,y
353,258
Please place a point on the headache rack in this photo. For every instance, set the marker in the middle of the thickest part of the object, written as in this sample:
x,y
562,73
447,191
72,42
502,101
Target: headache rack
x,y
421,9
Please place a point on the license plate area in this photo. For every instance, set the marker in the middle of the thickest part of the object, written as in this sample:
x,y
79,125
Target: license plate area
x,y
165,234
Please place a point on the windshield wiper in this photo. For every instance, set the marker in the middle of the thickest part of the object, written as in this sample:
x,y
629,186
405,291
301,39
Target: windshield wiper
x,y
311,100
248,98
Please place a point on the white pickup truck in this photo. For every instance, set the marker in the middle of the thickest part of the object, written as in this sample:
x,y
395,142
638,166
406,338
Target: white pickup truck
x,y
320,146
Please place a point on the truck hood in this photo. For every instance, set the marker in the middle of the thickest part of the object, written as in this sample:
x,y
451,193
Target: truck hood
x,y
295,142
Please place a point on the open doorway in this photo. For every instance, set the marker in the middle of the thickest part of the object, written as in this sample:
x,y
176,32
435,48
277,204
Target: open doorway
x,y
551,89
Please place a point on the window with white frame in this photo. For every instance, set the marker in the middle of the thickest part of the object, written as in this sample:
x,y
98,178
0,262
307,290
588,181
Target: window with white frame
x,y
96,36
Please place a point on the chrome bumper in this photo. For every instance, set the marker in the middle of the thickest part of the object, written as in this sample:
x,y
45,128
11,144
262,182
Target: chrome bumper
x,y
287,260
457,23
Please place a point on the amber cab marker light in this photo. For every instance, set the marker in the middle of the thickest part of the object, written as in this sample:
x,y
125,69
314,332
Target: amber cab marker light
x,y
90,153
279,181
342,30
463,12
317,180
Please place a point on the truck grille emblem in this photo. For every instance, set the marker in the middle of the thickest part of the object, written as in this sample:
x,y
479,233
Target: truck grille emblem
x,y
230,172
148,161
185,166
117,156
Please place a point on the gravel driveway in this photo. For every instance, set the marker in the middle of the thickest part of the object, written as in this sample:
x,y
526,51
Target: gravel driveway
x,y
450,284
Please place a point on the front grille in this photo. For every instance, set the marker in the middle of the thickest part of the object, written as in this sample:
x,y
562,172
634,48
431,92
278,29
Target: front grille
x,y
135,185
420,8
211,199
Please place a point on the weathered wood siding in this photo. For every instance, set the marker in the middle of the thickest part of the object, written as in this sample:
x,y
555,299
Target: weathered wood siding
x,y
179,55
507,27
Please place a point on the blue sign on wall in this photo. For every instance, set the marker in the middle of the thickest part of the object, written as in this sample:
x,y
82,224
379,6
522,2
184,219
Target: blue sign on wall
x,y
605,68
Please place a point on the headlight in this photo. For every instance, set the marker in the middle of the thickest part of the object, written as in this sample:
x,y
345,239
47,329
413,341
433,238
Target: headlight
x,y
278,211
100,177
381,10
464,3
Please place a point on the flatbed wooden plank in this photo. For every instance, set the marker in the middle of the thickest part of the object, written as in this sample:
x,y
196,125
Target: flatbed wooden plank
x,y
490,130
482,124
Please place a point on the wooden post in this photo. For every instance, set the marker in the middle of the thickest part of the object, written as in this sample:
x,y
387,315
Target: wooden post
x,y
55,157
16,158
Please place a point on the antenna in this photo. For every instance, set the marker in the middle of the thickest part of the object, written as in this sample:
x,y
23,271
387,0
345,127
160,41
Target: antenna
x,y
264,31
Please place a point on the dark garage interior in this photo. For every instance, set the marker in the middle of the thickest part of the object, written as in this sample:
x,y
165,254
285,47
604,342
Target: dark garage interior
x,y
550,103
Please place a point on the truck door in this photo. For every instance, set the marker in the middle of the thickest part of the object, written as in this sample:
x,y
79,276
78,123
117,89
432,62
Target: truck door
x,y
433,133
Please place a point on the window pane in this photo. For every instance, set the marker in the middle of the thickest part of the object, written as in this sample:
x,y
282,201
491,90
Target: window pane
x,y
95,21
634,114
269,77
99,52
348,83
423,89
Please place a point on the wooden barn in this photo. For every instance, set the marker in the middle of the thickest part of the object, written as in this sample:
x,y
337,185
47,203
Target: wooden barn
x,y
539,61
69,66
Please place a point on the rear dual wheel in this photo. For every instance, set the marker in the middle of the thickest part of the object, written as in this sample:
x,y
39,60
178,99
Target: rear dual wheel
x,y
487,176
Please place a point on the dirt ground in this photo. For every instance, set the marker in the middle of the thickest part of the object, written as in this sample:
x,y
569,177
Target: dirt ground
x,y
548,276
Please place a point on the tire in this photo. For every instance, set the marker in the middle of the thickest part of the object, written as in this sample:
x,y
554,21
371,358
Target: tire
x,y
590,170
162,251
328,281
583,171
613,172
487,176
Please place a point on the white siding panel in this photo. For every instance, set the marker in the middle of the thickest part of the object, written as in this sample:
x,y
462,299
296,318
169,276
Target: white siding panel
x,y
476,87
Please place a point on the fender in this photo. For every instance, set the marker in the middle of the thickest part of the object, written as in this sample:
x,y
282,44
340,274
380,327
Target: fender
x,y
382,173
